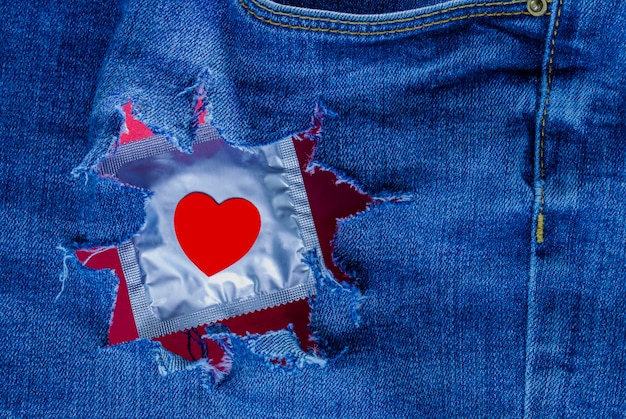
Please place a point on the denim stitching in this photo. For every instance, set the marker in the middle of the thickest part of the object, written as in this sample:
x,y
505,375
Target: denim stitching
x,y
403,20
542,136
540,220
392,31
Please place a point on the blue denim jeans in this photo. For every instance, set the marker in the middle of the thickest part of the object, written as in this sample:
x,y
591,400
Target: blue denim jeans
x,y
496,290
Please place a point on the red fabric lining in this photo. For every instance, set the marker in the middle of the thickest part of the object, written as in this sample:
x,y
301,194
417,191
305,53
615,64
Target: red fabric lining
x,y
330,201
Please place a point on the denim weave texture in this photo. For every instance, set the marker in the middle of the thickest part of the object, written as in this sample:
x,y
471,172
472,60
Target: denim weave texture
x,y
496,289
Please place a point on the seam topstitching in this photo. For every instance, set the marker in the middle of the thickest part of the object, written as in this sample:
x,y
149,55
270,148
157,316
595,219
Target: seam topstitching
x,y
542,135
386,32
384,22
531,354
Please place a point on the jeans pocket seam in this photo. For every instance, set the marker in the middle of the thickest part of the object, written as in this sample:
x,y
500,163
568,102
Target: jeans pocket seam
x,y
367,25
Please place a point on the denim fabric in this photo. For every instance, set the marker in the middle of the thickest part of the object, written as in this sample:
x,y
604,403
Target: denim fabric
x,y
576,340
497,291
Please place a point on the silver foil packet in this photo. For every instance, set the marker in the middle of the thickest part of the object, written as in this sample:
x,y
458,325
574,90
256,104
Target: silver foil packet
x,y
226,231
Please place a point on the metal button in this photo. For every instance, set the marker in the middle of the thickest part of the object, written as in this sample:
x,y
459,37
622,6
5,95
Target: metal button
x,y
537,7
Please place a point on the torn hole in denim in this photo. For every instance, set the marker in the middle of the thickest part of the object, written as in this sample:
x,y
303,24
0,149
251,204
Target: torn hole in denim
x,y
330,199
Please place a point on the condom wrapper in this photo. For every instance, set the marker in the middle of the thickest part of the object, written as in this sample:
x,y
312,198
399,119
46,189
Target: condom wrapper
x,y
227,230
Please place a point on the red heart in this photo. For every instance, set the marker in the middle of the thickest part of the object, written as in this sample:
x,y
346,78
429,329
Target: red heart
x,y
215,236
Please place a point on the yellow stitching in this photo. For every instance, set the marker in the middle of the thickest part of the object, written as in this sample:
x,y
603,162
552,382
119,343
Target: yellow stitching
x,y
540,218
413,28
407,19
548,90
542,139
